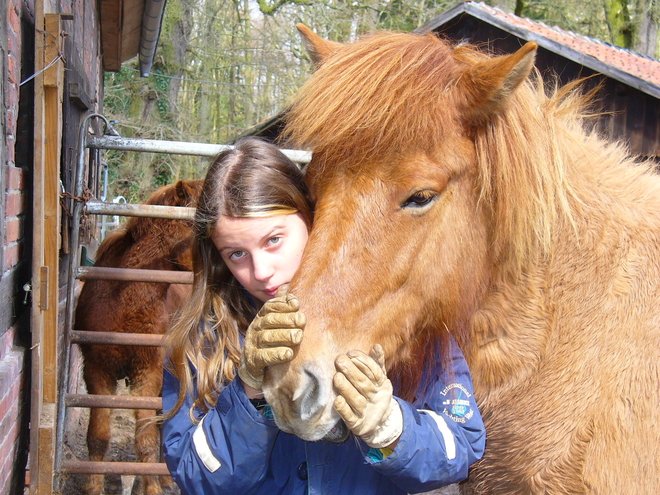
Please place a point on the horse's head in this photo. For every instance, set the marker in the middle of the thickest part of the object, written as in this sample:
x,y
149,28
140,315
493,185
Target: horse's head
x,y
401,247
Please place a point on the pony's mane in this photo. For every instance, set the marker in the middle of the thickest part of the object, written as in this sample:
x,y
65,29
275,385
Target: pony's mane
x,y
391,93
373,98
182,193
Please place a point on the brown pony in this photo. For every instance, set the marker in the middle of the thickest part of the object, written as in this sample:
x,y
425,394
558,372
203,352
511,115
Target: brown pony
x,y
113,306
454,196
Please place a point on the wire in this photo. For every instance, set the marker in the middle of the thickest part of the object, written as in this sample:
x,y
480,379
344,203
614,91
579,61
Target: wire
x,y
219,83
42,70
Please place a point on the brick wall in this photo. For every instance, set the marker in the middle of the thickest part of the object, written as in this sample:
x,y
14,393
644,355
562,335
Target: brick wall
x,y
82,55
12,412
17,40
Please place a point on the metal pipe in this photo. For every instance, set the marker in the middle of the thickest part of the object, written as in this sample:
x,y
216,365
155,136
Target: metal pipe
x,y
152,20
74,261
96,467
114,401
96,207
177,147
133,275
115,338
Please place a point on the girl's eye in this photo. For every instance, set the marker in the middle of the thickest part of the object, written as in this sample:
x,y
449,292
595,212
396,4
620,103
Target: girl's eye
x,y
274,240
237,255
419,200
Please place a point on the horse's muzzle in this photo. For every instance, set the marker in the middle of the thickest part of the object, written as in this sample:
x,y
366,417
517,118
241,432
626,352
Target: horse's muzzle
x,y
338,434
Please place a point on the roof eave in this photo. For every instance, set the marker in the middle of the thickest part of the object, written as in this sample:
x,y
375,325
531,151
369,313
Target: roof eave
x,y
548,44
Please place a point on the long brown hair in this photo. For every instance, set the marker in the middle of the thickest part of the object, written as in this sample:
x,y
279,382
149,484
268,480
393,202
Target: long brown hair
x,y
254,179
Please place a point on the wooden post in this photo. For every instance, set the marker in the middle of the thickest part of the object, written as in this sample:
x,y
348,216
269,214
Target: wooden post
x,y
49,87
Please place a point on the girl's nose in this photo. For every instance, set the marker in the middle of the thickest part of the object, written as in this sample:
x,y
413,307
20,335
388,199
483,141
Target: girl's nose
x,y
263,268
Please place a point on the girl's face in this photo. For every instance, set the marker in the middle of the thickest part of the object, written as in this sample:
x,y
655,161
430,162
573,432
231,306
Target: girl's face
x,y
262,253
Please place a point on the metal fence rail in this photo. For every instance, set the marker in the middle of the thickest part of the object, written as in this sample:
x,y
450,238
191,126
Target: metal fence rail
x,y
133,275
94,467
176,147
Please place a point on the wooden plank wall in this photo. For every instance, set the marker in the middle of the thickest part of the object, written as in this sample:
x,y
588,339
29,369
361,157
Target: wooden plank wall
x,y
630,115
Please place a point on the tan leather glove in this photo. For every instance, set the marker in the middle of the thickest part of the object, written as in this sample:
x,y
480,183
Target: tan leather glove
x,y
365,401
271,337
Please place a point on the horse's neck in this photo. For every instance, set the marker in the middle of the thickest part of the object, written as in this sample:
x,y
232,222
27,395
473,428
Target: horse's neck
x,y
608,250
509,332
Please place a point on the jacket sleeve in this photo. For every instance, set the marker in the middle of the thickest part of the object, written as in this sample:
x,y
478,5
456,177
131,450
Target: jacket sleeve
x,y
443,433
227,452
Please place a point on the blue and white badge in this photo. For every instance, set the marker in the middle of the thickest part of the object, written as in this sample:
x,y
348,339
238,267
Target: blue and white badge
x,y
456,403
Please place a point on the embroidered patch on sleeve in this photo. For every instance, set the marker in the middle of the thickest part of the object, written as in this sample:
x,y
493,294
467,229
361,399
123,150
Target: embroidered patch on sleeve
x,y
203,448
456,403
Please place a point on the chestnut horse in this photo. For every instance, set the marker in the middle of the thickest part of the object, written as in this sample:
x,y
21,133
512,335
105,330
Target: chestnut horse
x,y
454,196
135,307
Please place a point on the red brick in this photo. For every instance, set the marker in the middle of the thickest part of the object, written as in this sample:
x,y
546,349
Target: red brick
x,y
13,42
15,203
8,407
15,178
13,229
7,341
13,254
11,95
10,117
8,446
10,152
14,20
13,69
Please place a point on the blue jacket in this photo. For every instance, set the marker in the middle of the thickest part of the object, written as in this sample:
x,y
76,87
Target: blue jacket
x,y
236,450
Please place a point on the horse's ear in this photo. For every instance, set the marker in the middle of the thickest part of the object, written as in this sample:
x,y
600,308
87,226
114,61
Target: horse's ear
x,y
184,192
489,84
317,48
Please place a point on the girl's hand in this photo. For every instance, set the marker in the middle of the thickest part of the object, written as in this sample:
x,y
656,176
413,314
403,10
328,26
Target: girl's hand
x,y
271,337
365,401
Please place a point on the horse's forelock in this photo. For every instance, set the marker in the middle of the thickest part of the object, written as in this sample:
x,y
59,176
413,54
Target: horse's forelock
x,y
374,98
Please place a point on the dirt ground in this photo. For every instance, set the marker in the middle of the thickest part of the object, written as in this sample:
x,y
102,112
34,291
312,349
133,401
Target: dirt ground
x,y
122,449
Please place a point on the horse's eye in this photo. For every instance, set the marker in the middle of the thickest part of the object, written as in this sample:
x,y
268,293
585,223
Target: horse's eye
x,y
420,199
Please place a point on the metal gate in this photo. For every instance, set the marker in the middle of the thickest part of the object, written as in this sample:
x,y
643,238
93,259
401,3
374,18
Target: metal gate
x,y
84,205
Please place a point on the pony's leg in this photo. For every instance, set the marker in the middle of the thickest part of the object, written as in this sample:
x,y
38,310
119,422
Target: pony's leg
x,y
98,431
147,432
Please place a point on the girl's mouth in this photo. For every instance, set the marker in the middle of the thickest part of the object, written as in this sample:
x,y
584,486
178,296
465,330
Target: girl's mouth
x,y
271,292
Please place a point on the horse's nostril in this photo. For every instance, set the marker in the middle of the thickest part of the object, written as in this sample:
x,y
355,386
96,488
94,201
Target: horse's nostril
x,y
309,396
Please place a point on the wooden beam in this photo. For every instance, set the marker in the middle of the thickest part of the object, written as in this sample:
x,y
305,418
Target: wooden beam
x,y
36,316
49,87
54,94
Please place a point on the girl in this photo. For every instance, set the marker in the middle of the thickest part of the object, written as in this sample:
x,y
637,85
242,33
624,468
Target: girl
x,y
251,227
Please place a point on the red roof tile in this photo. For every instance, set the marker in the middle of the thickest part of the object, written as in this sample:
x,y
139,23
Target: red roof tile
x,y
632,63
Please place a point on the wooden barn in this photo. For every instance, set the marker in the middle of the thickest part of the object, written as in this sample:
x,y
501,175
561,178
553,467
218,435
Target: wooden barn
x,y
630,95
53,57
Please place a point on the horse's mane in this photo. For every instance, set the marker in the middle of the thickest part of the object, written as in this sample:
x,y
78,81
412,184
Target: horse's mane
x,y
392,93
372,98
